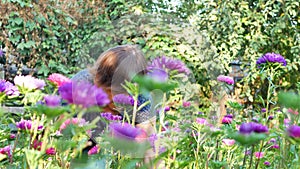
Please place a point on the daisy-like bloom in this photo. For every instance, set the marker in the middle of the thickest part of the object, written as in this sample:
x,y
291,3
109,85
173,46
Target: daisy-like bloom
x,y
94,150
123,99
9,88
58,79
29,82
84,94
111,117
50,151
294,131
52,100
168,64
124,131
228,142
226,79
259,154
271,57
74,121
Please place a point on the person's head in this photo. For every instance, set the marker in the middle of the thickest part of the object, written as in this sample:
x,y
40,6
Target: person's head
x,y
118,64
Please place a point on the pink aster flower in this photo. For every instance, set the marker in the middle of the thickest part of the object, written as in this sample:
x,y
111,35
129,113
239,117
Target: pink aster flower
x,y
94,150
186,104
58,79
225,79
6,150
74,121
228,142
259,154
50,151
29,82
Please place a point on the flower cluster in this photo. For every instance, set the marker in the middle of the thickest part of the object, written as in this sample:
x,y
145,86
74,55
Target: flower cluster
x,y
226,79
247,128
111,117
84,94
123,99
124,130
166,63
29,82
9,88
58,79
27,125
271,57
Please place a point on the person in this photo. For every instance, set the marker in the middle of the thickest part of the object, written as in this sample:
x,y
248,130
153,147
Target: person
x,y
112,68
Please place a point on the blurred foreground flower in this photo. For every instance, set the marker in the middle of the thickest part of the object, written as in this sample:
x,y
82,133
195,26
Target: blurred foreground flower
x,y
226,79
58,79
271,57
247,128
52,100
294,131
124,131
94,150
83,93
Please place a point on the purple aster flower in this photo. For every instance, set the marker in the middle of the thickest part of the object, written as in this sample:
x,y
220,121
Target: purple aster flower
x,y
226,79
24,124
12,136
83,93
111,117
267,163
294,131
286,121
227,119
29,82
186,104
270,118
271,57
125,130
246,128
275,146
263,110
167,108
51,151
159,75
123,99
259,128
167,63
9,88
93,150
6,150
52,100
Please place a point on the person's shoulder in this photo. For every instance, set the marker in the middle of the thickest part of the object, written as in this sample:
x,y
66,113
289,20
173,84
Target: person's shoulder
x,y
83,75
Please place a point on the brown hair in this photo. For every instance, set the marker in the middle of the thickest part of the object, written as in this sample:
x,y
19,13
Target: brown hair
x,y
116,65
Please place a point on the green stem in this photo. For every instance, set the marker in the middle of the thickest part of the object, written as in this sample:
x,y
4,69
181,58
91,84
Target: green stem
x,y
251,157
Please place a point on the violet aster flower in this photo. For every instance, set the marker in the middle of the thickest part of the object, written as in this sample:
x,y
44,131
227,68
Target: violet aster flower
x,y
263,110
83,93
58,79
24,124
125,130
167,63
111,117
29,82
159,75
294,131
52,100
123,99
93,150
226,79
228,142
271,57
167,108
247,128
267,163
9,88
